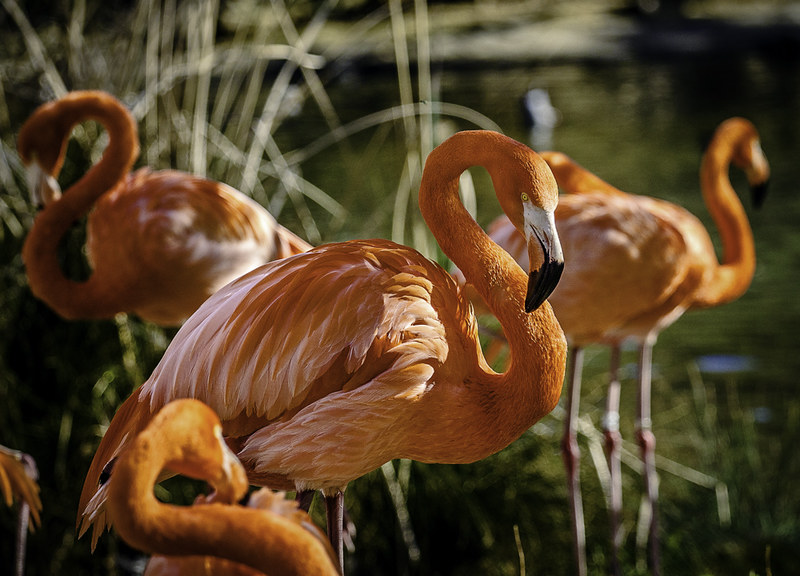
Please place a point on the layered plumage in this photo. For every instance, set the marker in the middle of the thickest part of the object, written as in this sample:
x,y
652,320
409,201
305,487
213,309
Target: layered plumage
x,y
159,243
325,365
635,264
186,437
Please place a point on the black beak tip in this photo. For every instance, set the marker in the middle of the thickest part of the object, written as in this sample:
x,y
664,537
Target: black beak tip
x,y
541,284
759,193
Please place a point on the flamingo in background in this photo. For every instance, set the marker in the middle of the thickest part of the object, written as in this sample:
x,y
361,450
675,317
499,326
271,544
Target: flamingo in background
x,y
634,265
18,477
160,243
186,437
325,365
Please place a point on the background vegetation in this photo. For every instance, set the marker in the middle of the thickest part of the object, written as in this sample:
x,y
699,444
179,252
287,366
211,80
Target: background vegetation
x,y
241,92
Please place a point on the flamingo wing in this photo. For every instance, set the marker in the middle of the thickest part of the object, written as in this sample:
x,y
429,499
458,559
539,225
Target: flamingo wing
x,y
276,346
260,345
627,260
281,346
179,238
176,218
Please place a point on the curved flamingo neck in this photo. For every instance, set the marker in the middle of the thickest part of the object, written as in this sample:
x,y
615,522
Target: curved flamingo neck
x,y
535,339
90,299
260,539
573,178
733,276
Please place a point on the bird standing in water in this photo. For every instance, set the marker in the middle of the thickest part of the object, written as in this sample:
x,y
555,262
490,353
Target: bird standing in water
x,y
325,365
635,264
159,243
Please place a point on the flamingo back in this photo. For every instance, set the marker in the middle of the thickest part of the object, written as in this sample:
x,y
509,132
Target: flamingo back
x,y
181,235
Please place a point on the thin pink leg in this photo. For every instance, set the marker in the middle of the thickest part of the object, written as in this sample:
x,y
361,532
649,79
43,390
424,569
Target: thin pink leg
x,y
572,455
334,507
23,519
613,440
647,443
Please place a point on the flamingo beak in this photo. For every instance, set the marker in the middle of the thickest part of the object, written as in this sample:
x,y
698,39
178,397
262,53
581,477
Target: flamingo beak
x,y
757,172
758,192
42,186
542,282
231,484
545,247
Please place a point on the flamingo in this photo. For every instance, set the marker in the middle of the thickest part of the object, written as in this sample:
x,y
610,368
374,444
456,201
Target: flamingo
x,y
635,264
159,243
186,437
325,365
18,477
262,499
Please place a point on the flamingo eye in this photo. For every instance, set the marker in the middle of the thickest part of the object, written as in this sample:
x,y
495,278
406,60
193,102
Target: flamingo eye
x,y
524,197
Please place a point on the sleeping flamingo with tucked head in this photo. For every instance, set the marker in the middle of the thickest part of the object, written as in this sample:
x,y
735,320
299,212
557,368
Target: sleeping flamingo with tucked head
x,y
160,243
186,437
325,365
634,265
263,499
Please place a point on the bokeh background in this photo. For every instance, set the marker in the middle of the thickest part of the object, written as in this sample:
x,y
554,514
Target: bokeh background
x,y
324,113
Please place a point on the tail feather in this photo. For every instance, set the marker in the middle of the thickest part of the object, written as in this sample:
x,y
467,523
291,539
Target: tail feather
x,y
130,419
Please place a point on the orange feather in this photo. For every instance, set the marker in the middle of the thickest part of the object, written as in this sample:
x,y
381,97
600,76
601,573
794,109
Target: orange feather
x,y
159,243
18,480
635,264
271,537
325,365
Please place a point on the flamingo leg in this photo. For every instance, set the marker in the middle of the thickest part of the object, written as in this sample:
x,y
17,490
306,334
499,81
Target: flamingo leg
x,y
647,443
23,519
22,538
571,454
334,507
304,499
613,440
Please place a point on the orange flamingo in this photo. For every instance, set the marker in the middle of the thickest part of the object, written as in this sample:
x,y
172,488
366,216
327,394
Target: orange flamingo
x,y
18,477
262,499
186,437
634,265
326,365
159,243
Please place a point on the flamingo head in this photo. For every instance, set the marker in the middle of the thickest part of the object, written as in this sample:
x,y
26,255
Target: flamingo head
x,y
42,145
529,197
206,455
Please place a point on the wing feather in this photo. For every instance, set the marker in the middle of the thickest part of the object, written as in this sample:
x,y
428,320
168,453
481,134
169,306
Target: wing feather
x,y
258,345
